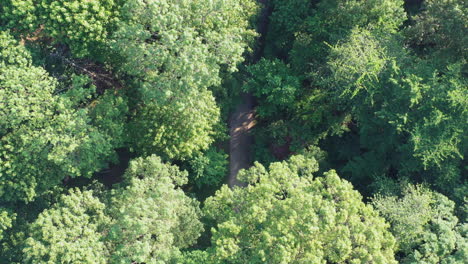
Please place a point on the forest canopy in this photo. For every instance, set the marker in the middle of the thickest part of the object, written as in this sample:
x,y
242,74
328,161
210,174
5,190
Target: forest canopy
x,y
233,131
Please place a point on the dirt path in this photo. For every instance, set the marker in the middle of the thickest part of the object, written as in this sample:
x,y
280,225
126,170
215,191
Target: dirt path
x,y
242,119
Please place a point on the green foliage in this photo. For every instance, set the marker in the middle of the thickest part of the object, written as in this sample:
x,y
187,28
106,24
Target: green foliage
x,y
147,218
79,24
418,111
439,31
209,168
438,133
19,15
26,95
6,219
177,129
153,218
303,33
357,62
275,86
333,20
286,216
22,215
108,114
286,19
384,96
195,257
11,53
82,25
425,227
42,139
175,47
175,51
80,91
69,231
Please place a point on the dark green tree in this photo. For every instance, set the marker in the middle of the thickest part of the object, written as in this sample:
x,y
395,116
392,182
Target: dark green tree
x,y
407,112
439,31
274,84
209,168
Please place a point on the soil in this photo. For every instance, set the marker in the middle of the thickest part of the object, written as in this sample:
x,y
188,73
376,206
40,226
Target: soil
x,y
242,120
241,141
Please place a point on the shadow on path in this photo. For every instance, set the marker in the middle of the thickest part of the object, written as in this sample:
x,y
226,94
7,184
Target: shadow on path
x,y
241,121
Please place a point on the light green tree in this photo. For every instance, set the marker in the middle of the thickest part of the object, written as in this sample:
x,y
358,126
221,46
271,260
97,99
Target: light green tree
x,y
82,25
173,51
6,219
174,47
425,227
176,129
152,216
43,140
285,215
146,218
69,231
19,15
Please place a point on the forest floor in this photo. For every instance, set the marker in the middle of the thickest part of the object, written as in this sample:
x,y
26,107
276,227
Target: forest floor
x,y
242,120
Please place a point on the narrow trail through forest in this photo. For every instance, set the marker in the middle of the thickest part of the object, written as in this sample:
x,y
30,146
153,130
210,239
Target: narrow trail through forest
x,y
241,141
242,120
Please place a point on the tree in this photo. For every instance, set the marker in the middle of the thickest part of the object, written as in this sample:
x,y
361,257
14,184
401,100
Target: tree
x,y
19,15
383,86
424,225
11,53
6,219
439,31
177,129
175,47
274,84
42,140
333,20
146,218
329,24
82,25
302,34
175,51
286,19
286,216
108,114
153,218
209,168
195,257
69,231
